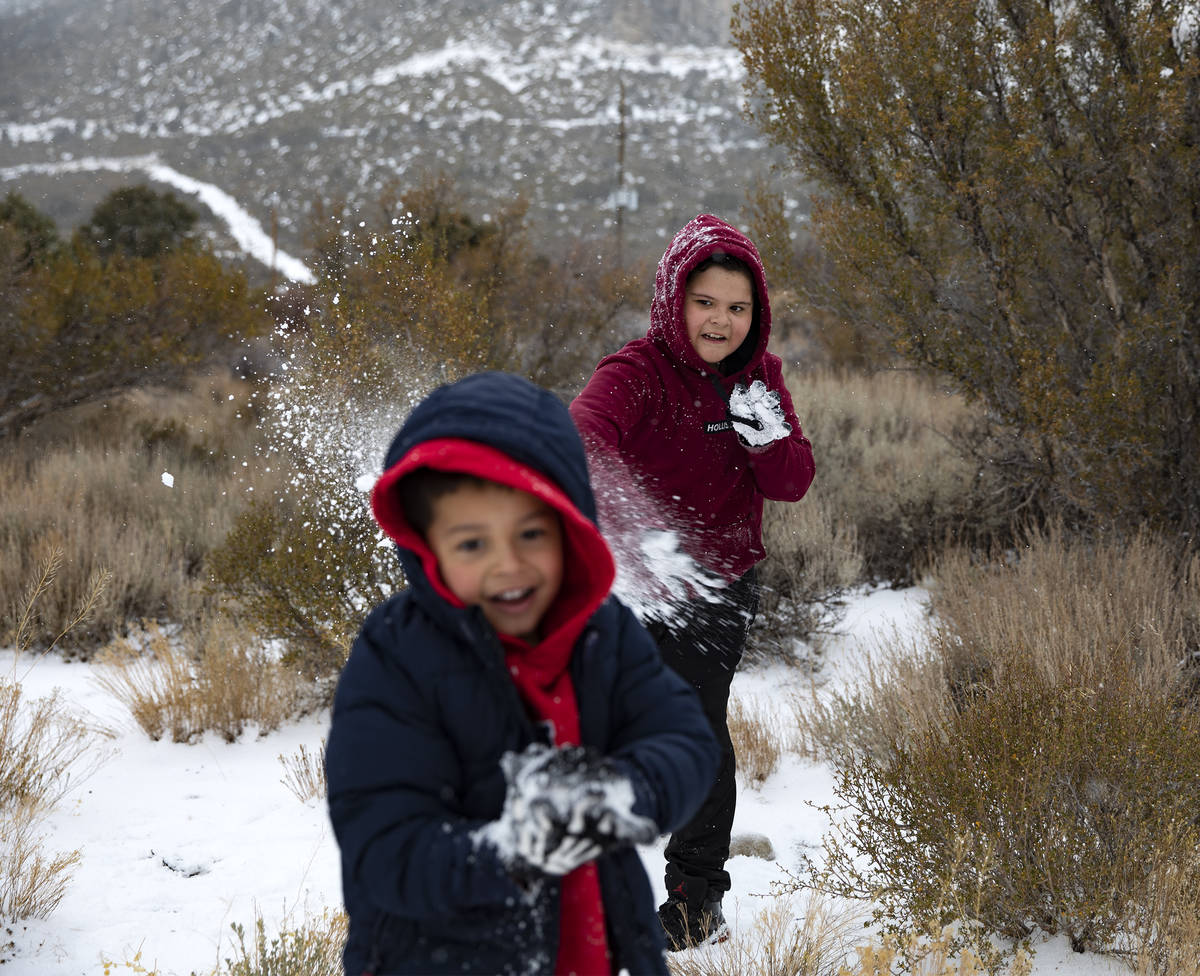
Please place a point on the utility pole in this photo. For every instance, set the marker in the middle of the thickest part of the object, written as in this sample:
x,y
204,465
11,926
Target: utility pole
x,y
620,195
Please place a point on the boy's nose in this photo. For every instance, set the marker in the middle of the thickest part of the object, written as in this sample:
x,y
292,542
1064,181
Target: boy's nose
x,y
506,558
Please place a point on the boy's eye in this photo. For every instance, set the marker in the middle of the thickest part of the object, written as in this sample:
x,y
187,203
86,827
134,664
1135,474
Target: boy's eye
x,y
469,545
737,308
533,533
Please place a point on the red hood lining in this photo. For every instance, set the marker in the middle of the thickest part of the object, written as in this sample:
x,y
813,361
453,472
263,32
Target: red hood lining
x,y
588,567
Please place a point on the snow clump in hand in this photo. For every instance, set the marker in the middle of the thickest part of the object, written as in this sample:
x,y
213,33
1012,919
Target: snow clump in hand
x,y
759,419
563,807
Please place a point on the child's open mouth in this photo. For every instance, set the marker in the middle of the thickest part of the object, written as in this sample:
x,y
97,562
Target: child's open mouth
x,y
708,336
515,599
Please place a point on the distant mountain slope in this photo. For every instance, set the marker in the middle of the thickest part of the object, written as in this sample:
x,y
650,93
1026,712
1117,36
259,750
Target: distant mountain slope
x,y
280,102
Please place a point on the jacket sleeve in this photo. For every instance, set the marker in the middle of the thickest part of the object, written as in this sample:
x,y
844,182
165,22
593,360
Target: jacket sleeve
x,y
785,469
389,771
660,733
614,402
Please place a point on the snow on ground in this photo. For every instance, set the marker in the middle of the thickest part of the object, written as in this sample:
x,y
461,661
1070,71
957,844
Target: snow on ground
x,y
180,841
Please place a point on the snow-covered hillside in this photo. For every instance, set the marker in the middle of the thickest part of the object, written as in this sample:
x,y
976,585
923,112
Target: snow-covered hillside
x,y
282,103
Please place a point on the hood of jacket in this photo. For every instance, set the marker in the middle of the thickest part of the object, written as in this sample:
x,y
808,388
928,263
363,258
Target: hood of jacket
x,y
503,428
699,239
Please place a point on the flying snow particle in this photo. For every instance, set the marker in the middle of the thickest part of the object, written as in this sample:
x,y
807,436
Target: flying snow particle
x,y
168,479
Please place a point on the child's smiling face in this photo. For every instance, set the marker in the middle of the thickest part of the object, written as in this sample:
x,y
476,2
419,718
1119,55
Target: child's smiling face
x,y
500,549
718,308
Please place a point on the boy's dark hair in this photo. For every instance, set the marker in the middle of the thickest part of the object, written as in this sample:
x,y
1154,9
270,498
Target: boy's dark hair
x,y
418,491
719,259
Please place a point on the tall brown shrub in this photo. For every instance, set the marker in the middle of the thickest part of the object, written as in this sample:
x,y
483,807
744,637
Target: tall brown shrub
x,y
1009,192
1048,773
90,482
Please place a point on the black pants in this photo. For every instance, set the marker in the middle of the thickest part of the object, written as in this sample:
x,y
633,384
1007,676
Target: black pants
x,y
704,647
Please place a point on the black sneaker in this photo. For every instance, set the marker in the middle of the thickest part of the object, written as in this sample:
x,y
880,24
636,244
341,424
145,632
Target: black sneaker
x,y
686,928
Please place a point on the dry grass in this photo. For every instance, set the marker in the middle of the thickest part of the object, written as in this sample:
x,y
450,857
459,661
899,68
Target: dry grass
x,y
312,948
888,466
181,688
926,955
783,939
1071,609
304,774
894,484
32,882
759,739
1055,685
1167,933
814,557
41,746
823,938
902,692
89,483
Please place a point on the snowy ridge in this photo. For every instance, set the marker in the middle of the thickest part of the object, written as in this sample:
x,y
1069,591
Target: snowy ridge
x,y
502,65
245,230
283,104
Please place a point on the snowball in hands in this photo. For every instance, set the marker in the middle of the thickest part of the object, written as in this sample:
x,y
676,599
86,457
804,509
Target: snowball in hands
x,y
758,417
562,808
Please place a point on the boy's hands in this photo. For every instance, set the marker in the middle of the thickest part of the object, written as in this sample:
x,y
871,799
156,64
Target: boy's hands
x,y
564,807
758,418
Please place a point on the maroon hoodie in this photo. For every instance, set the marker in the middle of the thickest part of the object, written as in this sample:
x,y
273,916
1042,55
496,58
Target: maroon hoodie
x,y
654,418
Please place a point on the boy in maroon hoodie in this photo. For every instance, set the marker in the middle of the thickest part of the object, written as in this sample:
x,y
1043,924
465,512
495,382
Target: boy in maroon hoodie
x,y
695,416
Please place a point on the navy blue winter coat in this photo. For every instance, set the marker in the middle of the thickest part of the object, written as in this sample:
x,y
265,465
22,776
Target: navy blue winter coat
x,y
425,708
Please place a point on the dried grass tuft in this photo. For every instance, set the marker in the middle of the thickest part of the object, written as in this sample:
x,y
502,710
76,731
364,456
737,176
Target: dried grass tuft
x,y
40,747
813,939
32,882
311,948
759,739
304,774
181,687
88,485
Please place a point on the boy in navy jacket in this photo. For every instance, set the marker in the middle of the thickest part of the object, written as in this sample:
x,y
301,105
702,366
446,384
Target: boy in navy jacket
x,y
504,732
